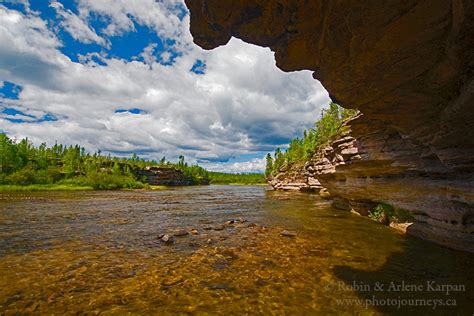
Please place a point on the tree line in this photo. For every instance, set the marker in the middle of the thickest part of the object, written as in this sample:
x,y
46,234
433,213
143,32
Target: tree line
x,y
301,149
21,163
236,178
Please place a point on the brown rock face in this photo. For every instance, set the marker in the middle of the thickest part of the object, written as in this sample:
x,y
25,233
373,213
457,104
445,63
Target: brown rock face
x,y
407,66
165,176
297,178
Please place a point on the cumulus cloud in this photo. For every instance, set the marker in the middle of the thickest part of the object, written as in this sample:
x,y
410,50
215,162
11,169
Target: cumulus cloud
x,y
76,26
241,105
254,165
162,16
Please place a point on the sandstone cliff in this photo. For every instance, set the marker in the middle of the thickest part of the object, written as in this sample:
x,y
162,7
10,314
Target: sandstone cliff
x,y
295,178
164,176
408,67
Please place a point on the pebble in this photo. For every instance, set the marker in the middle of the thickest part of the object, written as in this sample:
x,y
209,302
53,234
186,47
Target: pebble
x,y
209,241
194,232
193,244
181,233
218,227
172,281
167,239
288,233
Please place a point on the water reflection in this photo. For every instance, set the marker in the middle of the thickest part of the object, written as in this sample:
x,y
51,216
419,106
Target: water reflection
x,y
99,252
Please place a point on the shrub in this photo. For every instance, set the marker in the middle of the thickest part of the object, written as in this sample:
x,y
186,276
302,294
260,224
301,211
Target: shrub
x,y
386,214
381,213
105,181
24,176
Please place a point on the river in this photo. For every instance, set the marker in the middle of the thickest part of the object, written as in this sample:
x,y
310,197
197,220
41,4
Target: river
x,y
98,252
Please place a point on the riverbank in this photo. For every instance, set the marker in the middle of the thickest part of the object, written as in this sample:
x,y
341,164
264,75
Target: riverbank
x,y
67,187
44,187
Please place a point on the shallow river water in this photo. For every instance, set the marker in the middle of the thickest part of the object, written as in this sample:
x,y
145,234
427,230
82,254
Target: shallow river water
x,y
98,252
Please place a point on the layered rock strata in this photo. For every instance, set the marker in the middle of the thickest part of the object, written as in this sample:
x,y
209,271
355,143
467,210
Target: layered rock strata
x,y
408,67
165,176
296,178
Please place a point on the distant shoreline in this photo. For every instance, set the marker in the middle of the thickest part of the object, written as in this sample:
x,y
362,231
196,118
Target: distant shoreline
x,y
64,187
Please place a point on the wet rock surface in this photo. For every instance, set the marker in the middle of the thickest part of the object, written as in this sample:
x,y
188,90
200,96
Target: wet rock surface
x,y
287,233
168,239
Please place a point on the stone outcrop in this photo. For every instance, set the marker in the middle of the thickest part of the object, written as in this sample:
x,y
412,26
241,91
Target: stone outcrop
x,y
408,67
296,178
165,176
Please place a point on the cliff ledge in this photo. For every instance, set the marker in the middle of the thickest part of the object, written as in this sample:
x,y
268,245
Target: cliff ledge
x,y
408,67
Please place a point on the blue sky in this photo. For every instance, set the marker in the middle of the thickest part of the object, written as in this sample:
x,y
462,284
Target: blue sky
x,y
125,77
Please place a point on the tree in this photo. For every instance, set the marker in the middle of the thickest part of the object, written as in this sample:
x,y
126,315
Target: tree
x,y
279,160
116,168
269,167
325,129
8,155
181,161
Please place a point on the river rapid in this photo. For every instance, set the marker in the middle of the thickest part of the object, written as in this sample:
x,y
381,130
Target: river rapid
x,y
98,252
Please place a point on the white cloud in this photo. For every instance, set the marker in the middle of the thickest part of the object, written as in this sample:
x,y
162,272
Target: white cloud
x,y
158,15
76,26
252,166
242,105
147,54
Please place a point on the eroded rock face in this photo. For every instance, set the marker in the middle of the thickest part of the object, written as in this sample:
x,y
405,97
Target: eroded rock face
x,y
407,66
382,167
296,178
165,176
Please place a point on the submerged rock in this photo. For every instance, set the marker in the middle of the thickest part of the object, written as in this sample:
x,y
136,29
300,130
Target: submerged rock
x,y
219,286
210,241
193,244
288,233
172,281
218,227
181,233
324,193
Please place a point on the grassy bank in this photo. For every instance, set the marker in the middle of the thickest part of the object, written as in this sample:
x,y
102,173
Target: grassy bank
x,y
67,187
237,178
238,183
44,187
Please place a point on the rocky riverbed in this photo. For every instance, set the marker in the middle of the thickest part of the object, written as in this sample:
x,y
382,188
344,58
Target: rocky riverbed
x,y
229,250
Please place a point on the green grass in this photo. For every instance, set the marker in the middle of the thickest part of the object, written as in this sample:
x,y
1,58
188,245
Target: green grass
x,y
72,187
156,187
44,187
